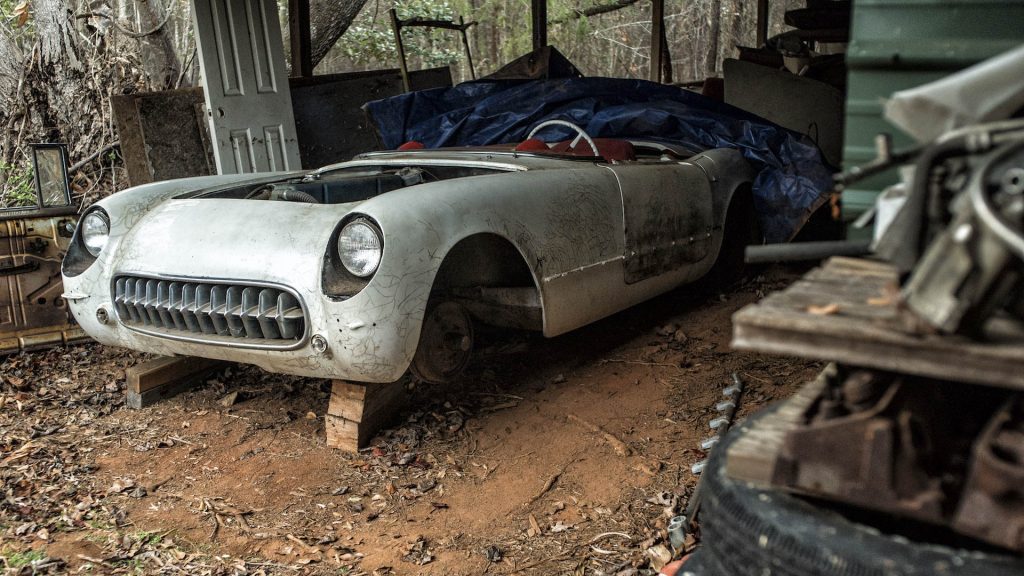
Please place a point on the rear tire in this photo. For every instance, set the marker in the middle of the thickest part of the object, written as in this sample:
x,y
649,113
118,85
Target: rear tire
x,y
754,531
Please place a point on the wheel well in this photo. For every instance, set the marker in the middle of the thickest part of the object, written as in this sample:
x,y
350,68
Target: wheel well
x,y
483,260
745,212
490,277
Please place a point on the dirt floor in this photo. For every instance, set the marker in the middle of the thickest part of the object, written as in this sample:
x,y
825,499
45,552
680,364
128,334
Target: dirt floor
x,y
501,473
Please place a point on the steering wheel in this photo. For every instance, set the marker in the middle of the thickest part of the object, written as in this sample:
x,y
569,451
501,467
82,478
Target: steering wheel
x,y
580,133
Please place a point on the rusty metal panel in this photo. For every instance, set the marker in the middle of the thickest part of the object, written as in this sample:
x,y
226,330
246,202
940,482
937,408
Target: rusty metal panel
x,y
32,312
163,135
328,116
245,86
667,217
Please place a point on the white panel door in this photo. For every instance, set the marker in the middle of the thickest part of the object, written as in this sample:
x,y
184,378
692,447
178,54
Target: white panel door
x,y
247,98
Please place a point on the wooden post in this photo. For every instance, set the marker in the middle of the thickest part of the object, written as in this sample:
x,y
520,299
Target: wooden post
x,y
161,378
300,38
762,23
657,39
358,411
539,20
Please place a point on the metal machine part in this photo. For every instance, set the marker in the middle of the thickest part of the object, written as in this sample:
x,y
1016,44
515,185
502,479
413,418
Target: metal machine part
x,y
992,507
973,269
944,453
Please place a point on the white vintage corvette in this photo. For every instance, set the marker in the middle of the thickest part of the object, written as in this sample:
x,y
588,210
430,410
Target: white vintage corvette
x,y
363,269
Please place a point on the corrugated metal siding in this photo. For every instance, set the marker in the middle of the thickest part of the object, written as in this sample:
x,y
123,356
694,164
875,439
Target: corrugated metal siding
x,y
898,45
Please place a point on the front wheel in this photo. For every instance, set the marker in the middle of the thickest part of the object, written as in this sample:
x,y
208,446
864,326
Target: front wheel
x,y
446,343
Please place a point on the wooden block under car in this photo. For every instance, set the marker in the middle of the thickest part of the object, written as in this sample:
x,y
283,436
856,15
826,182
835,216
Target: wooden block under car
x,y
358,411
161,378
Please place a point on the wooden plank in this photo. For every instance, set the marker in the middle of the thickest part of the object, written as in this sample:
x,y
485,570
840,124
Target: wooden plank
x,y
161,378
358,411
859,342
869,329
755,455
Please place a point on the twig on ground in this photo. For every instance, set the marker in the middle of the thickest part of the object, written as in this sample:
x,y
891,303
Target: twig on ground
x,y
619,446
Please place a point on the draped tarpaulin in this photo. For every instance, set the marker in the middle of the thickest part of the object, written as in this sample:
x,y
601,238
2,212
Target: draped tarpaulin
x,y
793,178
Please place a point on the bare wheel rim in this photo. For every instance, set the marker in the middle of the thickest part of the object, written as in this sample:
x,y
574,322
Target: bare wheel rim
x,y
446,343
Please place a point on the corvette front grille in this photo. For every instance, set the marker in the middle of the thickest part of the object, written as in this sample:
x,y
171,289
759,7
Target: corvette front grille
x,y
218,312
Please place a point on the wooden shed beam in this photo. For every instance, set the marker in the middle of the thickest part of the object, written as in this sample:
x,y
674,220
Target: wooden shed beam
x,y
539,19
657,38
300,38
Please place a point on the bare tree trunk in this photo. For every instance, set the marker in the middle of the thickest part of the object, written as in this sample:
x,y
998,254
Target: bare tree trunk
x,y
10,66
329,19
159,59
714,31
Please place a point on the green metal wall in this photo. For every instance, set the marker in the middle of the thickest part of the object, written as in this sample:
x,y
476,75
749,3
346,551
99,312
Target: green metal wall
x,y
897,45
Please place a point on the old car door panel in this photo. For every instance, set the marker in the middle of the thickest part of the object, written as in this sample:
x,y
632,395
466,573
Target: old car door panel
x,y
666,214
32,312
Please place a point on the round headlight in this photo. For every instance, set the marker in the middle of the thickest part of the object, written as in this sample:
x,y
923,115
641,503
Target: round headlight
x,y
360,247
95,231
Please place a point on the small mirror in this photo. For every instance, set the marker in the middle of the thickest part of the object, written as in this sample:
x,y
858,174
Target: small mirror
x,y
51,169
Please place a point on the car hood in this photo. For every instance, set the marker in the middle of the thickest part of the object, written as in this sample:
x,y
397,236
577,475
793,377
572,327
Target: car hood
x,y
282,242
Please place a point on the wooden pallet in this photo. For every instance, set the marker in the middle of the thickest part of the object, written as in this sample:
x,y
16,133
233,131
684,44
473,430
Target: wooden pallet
x,y
849,311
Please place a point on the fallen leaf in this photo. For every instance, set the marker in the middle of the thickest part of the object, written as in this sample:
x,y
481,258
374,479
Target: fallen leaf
x,y
826,310
534,526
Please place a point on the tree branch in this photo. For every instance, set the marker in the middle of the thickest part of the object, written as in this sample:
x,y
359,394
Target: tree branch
x,y
596,10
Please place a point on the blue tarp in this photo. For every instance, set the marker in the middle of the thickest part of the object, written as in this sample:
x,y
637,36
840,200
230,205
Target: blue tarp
x,y
793,178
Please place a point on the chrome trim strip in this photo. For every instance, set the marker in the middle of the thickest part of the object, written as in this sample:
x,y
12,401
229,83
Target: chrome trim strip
x,y
371,159
228,341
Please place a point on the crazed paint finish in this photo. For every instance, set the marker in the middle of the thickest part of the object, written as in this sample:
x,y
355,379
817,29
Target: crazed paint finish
x,y
564,217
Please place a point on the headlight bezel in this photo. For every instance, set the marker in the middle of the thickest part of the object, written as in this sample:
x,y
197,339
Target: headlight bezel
x,y
79,258
346,256
338,282
103,219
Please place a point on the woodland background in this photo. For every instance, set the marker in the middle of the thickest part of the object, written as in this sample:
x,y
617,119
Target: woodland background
x,y
61,60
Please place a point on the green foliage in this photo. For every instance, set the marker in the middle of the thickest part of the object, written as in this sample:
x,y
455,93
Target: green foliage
x,y
370,41
19,191
17,559
16,21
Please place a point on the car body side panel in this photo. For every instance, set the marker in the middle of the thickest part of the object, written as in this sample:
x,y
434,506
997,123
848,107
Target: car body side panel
x,y
667,216
565,223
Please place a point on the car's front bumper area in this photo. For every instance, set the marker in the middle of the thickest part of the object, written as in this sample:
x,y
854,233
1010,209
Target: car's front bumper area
x,y
244,297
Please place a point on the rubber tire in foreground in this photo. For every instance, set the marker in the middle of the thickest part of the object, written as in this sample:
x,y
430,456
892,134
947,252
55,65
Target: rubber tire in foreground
x,y
758,532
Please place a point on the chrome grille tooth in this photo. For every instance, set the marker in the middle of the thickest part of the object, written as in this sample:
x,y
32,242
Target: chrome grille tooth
x,y
188,307
140,300
119,305
218,304
204,293
233,311
130,287
174,292
163,304
267,302
249,312
284,304
150,302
